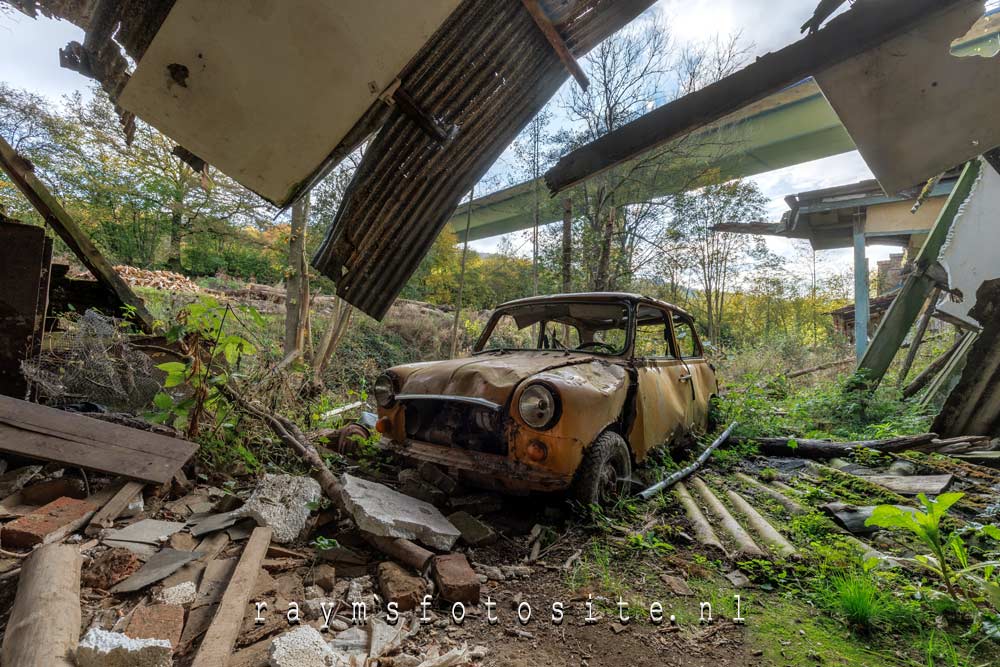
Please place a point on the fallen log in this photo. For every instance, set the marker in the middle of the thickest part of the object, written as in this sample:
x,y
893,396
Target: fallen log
x,y
405,551
292,436
44,624
702,528
821,367
744,543
672,479
826,449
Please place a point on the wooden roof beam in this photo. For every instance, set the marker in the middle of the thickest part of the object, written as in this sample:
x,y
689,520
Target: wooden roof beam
x,y
556,41
22,174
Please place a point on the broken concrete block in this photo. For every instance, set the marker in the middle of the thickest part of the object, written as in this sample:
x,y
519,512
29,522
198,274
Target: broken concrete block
x,y
100,648
399,586
475,533
379,510
302,647
322,575
33,528
182,594
455,578
413,485
158,621
282,502
439,478
478,503
109,568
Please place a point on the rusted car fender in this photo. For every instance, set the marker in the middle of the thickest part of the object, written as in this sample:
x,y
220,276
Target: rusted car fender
x,y
592,398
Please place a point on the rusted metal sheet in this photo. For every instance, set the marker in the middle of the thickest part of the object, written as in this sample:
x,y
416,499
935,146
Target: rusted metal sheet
x,y
25,257
487,70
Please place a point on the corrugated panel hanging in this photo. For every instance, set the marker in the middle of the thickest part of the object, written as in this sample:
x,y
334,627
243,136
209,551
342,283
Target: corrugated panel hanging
x,y
487,71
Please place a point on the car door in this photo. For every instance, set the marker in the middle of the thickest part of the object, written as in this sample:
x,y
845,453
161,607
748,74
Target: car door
x,y
699,374
663,395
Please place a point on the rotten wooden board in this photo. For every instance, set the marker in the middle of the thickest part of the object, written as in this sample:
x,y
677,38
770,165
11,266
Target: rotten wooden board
x,y
105,517
911,485
220,638
44,433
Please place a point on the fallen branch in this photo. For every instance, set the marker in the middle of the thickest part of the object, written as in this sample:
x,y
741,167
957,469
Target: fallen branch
x,y
669,481
825,449
821,367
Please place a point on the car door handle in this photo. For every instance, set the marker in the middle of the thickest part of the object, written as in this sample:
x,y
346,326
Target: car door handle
x,y
685,378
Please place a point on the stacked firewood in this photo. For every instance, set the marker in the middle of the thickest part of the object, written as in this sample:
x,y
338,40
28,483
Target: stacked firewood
x,y
165,280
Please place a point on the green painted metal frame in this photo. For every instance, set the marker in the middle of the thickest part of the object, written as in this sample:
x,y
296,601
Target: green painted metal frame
x,y
906,308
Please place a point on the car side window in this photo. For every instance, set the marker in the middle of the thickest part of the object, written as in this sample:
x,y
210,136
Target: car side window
x,y
652,337
687,340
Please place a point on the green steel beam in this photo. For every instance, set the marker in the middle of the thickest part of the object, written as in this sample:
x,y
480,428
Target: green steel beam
x,y
793,126
906,307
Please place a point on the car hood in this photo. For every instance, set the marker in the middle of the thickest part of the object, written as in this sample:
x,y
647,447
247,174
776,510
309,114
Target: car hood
x,y
494,376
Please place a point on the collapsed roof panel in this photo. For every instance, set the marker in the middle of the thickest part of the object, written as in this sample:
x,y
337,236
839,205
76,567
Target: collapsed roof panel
x,y
902,102
267,90
485,74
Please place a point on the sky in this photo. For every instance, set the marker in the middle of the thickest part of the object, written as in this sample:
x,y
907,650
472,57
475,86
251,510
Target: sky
x,y
29,58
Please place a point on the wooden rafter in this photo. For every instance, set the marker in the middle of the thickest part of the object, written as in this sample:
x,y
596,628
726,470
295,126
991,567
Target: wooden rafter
x,y
21,173
556,41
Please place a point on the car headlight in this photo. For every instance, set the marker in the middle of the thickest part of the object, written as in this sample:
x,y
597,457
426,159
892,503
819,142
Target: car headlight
x,y
538,406
385,391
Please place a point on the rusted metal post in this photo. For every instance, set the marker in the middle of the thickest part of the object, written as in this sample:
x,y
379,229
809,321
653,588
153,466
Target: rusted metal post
x,y
461,278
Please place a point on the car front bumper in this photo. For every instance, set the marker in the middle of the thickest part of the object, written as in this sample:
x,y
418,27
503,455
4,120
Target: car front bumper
x,y
479,469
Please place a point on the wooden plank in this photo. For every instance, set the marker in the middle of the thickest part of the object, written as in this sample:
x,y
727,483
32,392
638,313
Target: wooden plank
x,y
21,173
988,459
911,485
25,272
904,309
556,42
220,638
866,26
105,517
40,432
44,624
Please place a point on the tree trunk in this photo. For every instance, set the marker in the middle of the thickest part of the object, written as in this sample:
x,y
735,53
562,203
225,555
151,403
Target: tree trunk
x,y
174,256
331,338
567,246
297,282
604,262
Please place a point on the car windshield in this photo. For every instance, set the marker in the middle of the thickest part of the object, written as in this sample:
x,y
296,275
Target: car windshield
x,y
600,328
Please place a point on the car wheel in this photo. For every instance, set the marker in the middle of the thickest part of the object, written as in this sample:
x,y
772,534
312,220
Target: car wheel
x,y
605,474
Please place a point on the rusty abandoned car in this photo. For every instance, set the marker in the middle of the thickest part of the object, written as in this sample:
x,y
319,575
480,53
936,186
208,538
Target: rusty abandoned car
x,y
561,392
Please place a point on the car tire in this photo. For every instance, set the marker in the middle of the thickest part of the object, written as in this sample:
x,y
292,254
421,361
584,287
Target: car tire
x,y
605,473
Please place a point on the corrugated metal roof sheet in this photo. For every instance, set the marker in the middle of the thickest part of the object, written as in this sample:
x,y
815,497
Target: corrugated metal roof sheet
x,y
488,71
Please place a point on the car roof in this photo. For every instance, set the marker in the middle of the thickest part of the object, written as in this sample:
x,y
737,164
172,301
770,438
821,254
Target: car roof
x,y
595,296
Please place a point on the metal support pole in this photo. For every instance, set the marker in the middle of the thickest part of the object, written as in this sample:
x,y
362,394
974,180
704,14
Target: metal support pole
x,y
461,278
861,307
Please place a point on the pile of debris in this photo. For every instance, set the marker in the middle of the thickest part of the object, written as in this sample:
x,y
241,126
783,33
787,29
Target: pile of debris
x,y
164,280
116,567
